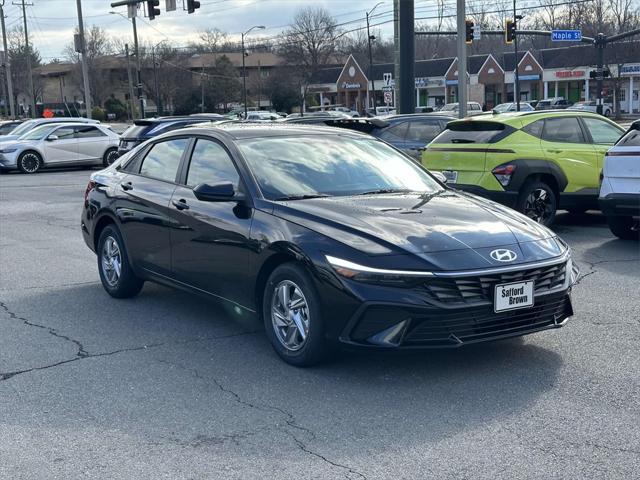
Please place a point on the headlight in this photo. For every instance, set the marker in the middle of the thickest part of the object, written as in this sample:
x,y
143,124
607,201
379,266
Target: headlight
x,y
8,150
362,273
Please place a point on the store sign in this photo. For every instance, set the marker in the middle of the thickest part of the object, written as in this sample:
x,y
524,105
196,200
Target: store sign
x,y
423,82
570,74
630,69
347,85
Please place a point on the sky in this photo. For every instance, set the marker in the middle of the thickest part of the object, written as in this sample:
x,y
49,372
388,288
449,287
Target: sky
x,y
51,22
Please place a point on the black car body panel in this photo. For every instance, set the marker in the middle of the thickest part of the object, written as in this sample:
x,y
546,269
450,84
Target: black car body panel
x,y
227,249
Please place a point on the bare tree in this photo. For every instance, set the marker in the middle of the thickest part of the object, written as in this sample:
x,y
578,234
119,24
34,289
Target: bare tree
x,y
309,44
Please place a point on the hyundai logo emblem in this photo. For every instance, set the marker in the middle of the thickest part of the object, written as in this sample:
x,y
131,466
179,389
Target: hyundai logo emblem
x,y
503,255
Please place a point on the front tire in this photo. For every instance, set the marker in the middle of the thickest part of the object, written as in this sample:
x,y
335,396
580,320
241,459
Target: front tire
x,y
537,200
29,162
116,274
623,227
292,317
109,156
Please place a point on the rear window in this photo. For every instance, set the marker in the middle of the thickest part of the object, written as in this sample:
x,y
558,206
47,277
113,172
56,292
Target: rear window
x,y
135,131
630,139
474,132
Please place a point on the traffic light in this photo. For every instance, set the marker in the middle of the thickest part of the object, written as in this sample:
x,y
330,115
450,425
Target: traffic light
x,y
468,32
153,8
192,5
593,74
509,31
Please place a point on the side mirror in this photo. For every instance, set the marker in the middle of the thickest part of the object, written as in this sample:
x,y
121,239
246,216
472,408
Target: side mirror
x,y
439,176
52,138
220,192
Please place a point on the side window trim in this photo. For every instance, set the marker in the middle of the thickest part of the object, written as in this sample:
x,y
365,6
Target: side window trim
x,y
586,133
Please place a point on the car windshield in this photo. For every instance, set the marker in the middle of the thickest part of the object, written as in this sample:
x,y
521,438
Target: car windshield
x,y
24,128
450,107
299,167
38,133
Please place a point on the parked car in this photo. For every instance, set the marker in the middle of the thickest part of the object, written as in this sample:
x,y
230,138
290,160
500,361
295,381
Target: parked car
x,y
29,125
512,107
592,106
210,117
473,108
556,103
147,128
620,189
348,111
534,103
331,239
8,126
535,162
60,144
384,111
262,116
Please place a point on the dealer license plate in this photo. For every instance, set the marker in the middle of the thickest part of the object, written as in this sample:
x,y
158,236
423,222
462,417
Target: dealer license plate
x,y
450,175
511,296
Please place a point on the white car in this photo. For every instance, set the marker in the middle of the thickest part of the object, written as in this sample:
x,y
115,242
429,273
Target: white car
x,y
592,106
620,190
261,116
512,107
473,108
60,144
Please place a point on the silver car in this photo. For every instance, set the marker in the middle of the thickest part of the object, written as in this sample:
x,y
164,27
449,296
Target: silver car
x,y
60,145
29,125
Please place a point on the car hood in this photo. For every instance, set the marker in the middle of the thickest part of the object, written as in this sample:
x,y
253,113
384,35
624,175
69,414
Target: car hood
x,y
447,222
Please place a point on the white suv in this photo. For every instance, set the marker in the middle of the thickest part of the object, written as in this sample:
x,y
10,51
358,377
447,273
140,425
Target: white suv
x,y
620,189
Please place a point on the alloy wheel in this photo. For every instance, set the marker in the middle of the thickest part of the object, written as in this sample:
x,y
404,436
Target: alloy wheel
x,y
111,157
290,315
111,261
538,206
30,162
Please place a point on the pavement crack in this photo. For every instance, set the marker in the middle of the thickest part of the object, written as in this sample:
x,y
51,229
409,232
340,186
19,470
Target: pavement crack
x,y
52,331
593,270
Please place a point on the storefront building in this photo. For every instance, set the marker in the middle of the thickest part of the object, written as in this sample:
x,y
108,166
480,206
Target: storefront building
x,y
630,91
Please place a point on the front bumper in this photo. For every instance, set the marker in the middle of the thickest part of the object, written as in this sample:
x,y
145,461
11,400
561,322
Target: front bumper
x,y
454,311
620,204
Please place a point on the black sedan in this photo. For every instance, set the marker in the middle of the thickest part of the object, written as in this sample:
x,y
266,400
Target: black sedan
x,y
331,236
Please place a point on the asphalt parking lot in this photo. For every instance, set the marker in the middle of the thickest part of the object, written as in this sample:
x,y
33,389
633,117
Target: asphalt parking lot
x,y
168,385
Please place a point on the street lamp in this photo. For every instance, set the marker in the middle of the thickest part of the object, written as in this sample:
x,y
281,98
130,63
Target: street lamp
x,y
137,54
369,38
244,73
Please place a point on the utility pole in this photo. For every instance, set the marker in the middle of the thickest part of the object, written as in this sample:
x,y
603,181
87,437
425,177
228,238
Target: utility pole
x,y
155,81
405,56
371,75
132,105
244,72
600,43
32,92
202,89
516,86
138,75
7,64
462,60
85,67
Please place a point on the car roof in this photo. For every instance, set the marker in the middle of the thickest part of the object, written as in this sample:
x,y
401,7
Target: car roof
x,y
518,119
409,116
272,129
71,124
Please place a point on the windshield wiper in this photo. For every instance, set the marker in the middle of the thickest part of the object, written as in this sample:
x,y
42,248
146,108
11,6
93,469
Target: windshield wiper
x,y
304,196
384,190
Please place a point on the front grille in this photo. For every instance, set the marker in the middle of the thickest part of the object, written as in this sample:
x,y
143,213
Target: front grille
x,y
482,323
479,289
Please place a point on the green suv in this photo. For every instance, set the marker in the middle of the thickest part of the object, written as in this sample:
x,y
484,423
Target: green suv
x,y
535,162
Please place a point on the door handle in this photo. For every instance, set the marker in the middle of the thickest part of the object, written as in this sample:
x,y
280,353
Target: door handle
x,y
181,204
554,151
126,186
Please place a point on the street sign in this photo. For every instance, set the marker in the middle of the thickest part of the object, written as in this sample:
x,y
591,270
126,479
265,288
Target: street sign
x,y
132,10
566,35
388,97
386,77
477,32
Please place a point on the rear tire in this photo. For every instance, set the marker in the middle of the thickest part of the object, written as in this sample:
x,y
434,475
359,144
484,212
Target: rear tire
x,y
109,156
622,227
29,162
287,287
116,274
537,200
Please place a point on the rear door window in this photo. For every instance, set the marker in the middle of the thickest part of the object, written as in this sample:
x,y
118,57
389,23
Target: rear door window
x,y
601,131
474,132
88,132
562,129
163,159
